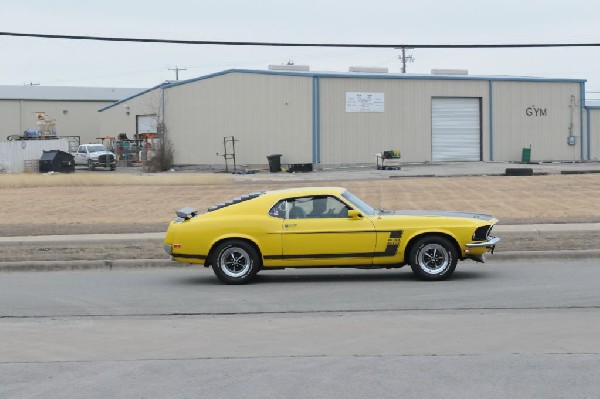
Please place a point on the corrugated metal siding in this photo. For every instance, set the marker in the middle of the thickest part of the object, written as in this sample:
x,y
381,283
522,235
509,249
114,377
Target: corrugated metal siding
x,y
267,114
594,134
456,129
81,119
546,134
10,119
13,154
405,124
116,120
66,93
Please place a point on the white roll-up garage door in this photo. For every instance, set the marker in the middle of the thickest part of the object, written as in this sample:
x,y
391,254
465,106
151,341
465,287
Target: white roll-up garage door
x,y
455,129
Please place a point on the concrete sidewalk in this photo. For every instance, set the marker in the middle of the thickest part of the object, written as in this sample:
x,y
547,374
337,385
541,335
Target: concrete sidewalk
x,y
539,230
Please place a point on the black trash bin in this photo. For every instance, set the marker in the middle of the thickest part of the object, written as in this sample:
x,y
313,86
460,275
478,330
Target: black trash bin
x,y
57,161
274,163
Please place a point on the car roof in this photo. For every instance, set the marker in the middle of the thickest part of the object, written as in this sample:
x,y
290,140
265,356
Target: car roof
x,y
273,196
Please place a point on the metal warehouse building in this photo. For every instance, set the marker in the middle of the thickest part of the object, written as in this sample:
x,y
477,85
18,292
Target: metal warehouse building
x,y
331,118
74,108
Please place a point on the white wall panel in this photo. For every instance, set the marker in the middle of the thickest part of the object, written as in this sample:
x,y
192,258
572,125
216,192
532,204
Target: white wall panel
x,y
13,154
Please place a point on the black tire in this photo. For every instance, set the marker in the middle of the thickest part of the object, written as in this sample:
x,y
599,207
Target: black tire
x,y
433,258
235,262
113,167
91,165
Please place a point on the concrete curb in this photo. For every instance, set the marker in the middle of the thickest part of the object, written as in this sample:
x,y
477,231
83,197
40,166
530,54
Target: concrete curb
x,y
80,265
132,264
546,255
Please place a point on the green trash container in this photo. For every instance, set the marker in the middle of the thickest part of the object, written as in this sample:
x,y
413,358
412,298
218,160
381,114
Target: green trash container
x,y
526,155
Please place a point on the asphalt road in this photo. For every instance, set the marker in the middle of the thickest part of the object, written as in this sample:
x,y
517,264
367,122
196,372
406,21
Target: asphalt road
x,y
497,330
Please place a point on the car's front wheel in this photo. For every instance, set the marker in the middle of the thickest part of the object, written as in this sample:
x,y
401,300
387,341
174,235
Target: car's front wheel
x,y
91,165
433,258
235,262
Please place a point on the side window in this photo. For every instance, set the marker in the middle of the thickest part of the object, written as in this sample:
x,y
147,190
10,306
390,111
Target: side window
x,y
310,208
327,207
297,208
278,210
81,149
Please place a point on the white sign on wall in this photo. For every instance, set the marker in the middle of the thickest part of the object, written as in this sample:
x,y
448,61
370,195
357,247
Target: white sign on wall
x,y
364,102
146,123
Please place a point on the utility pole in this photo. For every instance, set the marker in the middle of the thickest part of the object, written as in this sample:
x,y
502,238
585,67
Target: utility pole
x,y
176,69
405,58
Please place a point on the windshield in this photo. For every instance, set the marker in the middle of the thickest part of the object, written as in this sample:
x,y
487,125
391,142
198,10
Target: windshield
x,y
96,148
360,204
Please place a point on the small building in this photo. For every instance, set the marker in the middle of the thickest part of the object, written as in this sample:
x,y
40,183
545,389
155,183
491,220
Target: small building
x,y
330,118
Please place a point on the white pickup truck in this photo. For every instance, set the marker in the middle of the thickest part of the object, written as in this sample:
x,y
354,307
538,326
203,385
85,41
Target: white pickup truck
x,y
94,155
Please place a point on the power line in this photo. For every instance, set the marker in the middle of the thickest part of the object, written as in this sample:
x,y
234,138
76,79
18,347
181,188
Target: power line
x,y
275,44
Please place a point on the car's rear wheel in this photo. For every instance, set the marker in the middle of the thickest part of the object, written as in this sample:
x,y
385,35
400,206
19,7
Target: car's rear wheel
x,y
433,258
235,262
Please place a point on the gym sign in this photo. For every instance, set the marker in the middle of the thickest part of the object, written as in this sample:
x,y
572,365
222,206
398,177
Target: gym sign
x,y
535,111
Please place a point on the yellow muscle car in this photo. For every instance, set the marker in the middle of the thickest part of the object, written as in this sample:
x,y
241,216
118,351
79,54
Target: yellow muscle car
x,y
324,227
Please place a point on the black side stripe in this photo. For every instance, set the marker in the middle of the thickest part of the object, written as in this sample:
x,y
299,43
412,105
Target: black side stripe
x,y
393,243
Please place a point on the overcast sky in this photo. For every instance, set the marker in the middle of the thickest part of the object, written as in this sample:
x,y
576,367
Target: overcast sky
x,y
57,62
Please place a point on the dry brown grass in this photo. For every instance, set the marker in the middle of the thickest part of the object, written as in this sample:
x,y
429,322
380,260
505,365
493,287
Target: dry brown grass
x,y
25,180
33,204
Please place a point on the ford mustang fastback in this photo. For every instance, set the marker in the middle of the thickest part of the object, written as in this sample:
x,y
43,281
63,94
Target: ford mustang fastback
x,y
324,227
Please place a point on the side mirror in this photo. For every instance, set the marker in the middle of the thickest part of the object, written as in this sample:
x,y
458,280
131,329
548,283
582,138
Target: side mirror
x,y
354,214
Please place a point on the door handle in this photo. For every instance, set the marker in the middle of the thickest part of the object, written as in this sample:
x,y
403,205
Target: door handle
x,y
290,225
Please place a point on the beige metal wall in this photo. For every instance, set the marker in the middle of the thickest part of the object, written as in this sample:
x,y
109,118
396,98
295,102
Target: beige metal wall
x,y
10,118
514,130
122,117
273,114
80,119
594,119
267,114
405,125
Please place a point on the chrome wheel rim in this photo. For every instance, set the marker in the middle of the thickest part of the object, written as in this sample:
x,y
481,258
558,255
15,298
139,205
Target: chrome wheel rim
x,y
433,259
235,262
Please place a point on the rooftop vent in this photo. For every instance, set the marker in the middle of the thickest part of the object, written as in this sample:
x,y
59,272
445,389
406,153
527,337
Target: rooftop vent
x,y
367,69
449,71
301,68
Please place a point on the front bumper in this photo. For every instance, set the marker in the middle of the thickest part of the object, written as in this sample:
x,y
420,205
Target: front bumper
x,y
480,248
490,243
